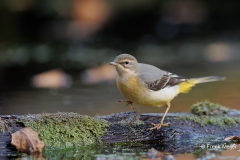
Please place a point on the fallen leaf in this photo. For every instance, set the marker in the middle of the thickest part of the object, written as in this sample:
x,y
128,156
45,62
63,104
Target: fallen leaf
x,y
27,140
234,139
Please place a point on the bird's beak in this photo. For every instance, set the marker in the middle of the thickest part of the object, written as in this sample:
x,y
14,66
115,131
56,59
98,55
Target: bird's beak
x,y
113,63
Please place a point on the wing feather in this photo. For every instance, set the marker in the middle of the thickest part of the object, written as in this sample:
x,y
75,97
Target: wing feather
x,y
164,81
157,79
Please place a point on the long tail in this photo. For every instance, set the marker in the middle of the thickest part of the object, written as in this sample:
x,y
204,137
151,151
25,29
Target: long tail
x,y
186,86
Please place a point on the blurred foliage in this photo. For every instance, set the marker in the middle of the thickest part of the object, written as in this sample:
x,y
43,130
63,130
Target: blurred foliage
x,y
38,35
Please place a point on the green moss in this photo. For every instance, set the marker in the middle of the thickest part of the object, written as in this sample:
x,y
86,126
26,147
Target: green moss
x,y
208,108
211,113
3,125
222,121
66,130
138,122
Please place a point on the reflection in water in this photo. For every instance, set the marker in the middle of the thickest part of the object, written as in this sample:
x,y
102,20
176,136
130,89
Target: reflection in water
x,y
211,150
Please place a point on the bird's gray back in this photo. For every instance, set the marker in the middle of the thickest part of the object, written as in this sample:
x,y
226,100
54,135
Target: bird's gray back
x,y
149,73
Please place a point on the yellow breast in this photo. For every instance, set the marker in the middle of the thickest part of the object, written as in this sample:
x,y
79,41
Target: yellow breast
x,y
136,91
129,88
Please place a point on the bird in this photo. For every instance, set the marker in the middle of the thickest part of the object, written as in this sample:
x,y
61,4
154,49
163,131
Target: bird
x,y
147,85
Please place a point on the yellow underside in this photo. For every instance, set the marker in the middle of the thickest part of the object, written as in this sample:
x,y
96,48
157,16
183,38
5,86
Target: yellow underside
x,y
137,94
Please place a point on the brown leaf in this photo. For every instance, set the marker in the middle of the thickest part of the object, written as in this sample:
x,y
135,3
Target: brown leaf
x,y
27,140
234,139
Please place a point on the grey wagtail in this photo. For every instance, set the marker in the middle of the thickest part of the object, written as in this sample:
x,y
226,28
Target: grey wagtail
x,y
148,85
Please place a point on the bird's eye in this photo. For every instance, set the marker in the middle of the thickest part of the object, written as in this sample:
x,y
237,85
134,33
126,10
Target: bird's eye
x,y
126,62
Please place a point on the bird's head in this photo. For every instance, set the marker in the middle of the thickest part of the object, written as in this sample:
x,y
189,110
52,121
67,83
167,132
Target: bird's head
x,y
125,64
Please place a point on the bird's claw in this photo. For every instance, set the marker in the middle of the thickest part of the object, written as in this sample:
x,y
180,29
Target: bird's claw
x,y
158,126
128,103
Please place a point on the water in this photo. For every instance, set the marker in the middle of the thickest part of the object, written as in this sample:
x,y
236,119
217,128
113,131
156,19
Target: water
x,y
100,99
204,151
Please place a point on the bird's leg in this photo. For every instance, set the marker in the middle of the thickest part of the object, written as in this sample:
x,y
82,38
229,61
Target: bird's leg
x,y
158,126
128,103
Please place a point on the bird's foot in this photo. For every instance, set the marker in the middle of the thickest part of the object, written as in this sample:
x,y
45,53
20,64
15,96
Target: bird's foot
x,y
158,126
128,103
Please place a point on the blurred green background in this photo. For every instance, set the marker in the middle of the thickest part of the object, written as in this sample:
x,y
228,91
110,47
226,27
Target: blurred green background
x,y
54,54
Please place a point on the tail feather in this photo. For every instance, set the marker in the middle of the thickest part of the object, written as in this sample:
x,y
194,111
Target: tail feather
x,y
207,79
186,86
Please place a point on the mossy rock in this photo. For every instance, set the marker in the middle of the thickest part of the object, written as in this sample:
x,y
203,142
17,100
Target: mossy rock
x,y
208,113
66,130
222,121
208,108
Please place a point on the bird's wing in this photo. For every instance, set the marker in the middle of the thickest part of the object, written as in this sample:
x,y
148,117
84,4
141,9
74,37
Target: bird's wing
x,y
157,79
